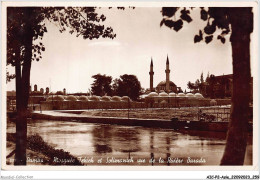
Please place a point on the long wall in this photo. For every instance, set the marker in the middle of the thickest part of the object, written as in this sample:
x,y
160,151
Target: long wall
x,y
74,105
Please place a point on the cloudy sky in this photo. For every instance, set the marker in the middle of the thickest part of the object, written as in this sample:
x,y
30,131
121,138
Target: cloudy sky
x,y
69,61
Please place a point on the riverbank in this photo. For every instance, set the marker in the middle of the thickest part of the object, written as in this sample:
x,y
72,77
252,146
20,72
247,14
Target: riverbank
x,y
158,118
59,116
39,152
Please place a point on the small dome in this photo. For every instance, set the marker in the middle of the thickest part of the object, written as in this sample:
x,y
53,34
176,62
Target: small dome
x,y
36,93
163,102
116,98
125,98
55,98
172,94
163,94
213,102
190,95
198,95
105,98
83,98
181,95
94,98
71,98
59,93
152,94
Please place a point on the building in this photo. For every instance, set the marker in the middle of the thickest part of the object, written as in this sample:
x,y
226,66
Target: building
x,y
165,85
221,86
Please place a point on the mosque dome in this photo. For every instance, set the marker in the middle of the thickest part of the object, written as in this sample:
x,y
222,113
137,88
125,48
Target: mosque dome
x,y
105,98
55,98
172,94
181,95
152,94
163,83
162,86
190,95
125,98
163,94
116,98
94,98
198,95
71,98
83,98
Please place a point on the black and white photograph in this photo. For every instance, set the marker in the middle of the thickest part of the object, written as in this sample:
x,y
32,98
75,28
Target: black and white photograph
x,y
129,85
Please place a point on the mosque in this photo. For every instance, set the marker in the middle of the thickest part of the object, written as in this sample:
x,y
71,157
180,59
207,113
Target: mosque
x,y
168,92
166,85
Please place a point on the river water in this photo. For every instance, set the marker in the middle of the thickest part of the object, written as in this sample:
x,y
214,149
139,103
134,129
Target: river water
x,y
127,145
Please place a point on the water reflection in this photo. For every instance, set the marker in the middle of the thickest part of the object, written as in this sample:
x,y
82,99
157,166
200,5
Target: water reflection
x,y
112,141
102,139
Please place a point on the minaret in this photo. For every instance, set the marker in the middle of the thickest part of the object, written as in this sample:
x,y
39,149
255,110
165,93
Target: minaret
x,y
151,75
167,71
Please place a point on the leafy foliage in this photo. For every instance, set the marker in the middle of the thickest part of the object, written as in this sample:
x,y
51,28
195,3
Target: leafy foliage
x,y
185,15
216,17
101,85
128,85
81,21
9,76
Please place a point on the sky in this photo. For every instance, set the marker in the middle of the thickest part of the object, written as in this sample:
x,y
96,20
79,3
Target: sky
x,y
70,62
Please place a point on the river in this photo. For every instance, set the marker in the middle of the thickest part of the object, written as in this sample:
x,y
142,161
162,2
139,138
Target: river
x,y
118,145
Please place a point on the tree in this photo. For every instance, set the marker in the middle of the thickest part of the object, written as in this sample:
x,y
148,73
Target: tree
x,y
201,78
25,29
128,85
239,22
9,76
191,86
211,81
101,85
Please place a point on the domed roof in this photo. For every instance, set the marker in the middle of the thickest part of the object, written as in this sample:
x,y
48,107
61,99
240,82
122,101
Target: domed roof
x,y
198,95
83,98
71,98
152,94
125,98
36,93
163,83
190,95
105,98
172,94
181,95
163,102
94,98
213,101
116,98
163,94
55,98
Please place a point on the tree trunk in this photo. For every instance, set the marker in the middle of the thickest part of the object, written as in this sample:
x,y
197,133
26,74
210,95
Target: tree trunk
x,y
22,94
241,20
20,150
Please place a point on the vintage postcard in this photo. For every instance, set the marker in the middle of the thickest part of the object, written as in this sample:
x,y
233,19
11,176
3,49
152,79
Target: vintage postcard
x,y
129,86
